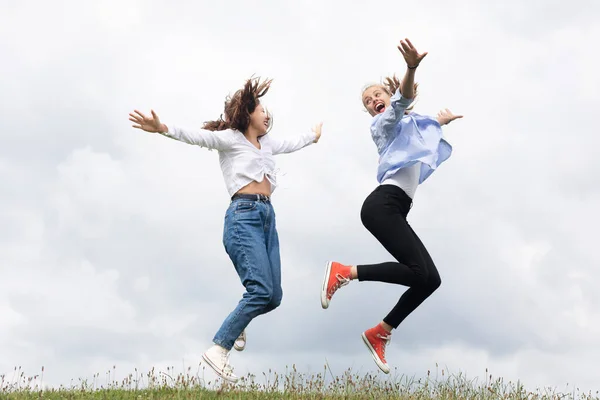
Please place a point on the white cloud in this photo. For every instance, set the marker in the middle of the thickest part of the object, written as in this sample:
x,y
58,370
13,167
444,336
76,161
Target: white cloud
x,y
110,247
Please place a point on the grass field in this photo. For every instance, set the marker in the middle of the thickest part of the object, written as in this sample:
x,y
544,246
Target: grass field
x,y
271,385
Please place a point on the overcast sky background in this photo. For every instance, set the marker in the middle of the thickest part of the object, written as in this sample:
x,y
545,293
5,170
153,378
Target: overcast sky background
x,y
110,238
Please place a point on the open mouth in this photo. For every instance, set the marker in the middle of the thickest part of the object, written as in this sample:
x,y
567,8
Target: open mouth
x,y
379,108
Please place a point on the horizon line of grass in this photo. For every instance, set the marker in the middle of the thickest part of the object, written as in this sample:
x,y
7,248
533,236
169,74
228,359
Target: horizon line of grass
x,y
291,385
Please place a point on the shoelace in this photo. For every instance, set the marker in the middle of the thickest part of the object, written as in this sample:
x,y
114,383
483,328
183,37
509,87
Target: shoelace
x,y
341,281
227,369
385,340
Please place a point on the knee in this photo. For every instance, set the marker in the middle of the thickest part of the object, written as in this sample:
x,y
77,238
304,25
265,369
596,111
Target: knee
x,y
434,282
261,297
269,299
276,299
422,276
428,281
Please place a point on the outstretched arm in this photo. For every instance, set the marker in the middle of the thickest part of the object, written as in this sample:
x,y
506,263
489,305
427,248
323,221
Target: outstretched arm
x,y
202,137
281,146
405,94
413,58
444,117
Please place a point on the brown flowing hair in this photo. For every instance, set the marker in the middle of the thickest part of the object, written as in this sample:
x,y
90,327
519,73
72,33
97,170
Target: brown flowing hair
x,y
239,106
391,84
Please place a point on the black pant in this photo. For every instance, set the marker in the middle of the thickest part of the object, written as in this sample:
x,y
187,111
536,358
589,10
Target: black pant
x,y
384,215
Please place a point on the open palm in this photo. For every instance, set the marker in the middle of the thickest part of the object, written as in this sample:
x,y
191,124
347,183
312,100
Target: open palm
x,y
410,53
446,116
148,124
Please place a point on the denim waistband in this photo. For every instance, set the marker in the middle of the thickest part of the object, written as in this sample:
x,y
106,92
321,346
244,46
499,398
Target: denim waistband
x,y
255,197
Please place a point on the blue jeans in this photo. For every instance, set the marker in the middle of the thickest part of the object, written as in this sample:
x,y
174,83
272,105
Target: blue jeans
x,y
251,241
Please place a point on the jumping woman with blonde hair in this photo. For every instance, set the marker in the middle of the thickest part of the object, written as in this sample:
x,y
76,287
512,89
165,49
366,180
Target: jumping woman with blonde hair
x,y
410,148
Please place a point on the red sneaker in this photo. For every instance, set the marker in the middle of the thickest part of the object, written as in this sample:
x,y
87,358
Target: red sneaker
x,y
336,276
376,339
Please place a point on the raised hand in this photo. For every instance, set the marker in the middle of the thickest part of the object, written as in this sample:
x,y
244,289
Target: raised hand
x,y
410,53
445,117
317,129
148,124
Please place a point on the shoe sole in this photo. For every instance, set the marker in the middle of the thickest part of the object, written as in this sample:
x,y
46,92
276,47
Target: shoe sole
x,y
218,371
381,365
239,348
324,300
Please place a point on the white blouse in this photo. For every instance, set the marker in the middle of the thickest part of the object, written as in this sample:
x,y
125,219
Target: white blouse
x,y
241,161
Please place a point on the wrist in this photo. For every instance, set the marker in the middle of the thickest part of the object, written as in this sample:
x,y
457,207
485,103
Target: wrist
x,y
413,67
163,129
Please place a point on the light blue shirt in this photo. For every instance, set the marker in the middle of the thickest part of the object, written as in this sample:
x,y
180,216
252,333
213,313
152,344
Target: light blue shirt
x,y
403,140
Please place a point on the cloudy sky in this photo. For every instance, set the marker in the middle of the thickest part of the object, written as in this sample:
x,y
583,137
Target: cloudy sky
x,y
110,238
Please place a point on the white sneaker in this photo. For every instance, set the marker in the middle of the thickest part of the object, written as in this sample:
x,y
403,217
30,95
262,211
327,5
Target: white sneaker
x,y
240,342
217,358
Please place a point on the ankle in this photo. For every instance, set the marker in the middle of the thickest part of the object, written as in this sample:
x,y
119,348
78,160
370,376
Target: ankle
x,y
220,348
353,272
386,327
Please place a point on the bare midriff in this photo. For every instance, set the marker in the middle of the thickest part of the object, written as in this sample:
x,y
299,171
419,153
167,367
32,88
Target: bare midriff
x,y
254,187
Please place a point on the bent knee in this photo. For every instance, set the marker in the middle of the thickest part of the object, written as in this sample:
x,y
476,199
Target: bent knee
x,y
269,299
262,300
276,298
421,276
430,282
275,302
260,297
434,282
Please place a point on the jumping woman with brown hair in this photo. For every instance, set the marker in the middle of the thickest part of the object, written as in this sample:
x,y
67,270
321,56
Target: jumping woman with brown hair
x,y
250,235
